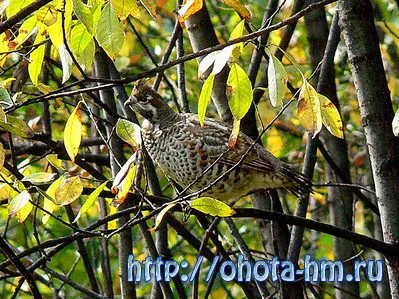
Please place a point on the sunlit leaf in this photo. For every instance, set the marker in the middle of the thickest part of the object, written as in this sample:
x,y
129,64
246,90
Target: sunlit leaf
x,y
73,133
110,31
48,204
189,8
16,5
239,91
205,97
39,177
212,207
395,124
124,8
240,8
161,216
330,117
90,200
128,132
237,33
206,63
24,32
123,180
309,111
47,15
80,40
36,60
89,16
68,191
53,160
20,207
277,80
234,133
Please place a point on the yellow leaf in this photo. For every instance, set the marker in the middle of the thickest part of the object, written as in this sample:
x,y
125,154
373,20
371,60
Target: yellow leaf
x,y
68,191
237,33
161,216
205,97
47,15
122,173
212,207
234,133
309,111
128,132
330,117
39,177
53,160
124,8
90,200
240,91
241,9
24,32
189,8
36,60
49,205
73,132
20,206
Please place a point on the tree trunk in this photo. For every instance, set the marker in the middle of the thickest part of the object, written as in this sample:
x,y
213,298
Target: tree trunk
x,y
357,24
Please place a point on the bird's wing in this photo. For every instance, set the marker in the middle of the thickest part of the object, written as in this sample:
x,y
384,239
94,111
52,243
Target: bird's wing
x,y
215,137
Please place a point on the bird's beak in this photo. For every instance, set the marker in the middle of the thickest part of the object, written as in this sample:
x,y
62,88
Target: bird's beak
x,y
132,100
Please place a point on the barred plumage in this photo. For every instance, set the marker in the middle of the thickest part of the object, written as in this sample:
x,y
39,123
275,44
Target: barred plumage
x,y
183,150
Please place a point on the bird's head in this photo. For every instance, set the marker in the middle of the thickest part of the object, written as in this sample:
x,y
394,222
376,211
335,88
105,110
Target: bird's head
x,y
147,102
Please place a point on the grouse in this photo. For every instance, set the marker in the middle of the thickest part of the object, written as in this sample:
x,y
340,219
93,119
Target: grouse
x,y
199,157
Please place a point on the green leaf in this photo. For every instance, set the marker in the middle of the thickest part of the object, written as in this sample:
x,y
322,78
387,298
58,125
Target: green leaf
x,y
15,125
239,89
205,97
237,33
68,191
5,97
73,133
20,206
161,216
330,117
90,200
128,132
309,110
395,124
89,16
36,60
212,207
80,44
277,79
110,31
39,177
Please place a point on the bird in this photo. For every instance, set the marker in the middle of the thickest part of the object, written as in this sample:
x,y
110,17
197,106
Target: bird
x,y
198,158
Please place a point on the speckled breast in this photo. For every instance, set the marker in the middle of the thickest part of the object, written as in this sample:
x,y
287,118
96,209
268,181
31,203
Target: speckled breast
x,y
184,160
